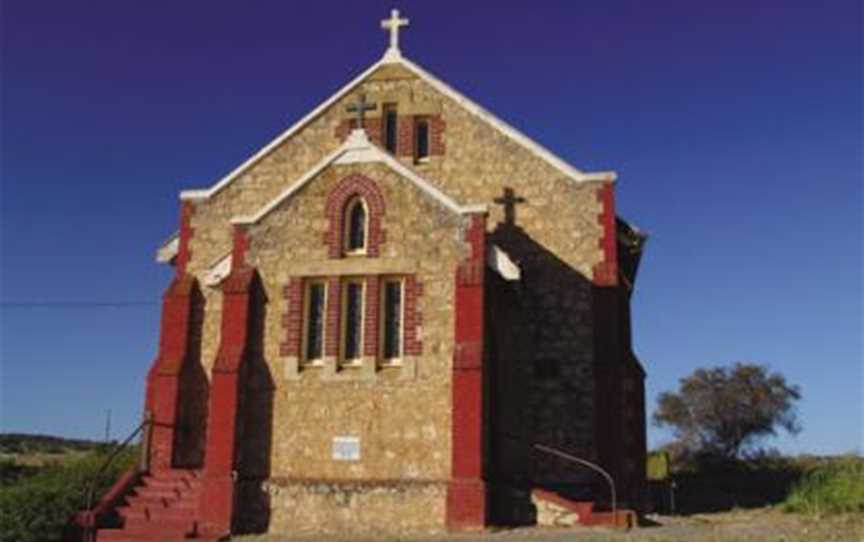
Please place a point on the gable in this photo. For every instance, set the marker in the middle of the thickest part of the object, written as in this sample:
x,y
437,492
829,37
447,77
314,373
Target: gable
x,y
357,150
391,68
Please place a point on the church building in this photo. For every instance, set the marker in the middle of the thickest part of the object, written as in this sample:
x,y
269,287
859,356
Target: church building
x,y
401,315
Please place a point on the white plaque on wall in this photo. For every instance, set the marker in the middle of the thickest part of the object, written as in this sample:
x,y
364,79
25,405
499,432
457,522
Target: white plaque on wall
x,y
346,448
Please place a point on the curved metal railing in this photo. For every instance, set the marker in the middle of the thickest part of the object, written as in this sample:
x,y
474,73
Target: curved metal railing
x,y
593,466
143,463
575,459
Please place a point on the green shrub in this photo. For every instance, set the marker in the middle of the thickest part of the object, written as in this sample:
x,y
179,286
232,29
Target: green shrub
x,y
37,507
831,488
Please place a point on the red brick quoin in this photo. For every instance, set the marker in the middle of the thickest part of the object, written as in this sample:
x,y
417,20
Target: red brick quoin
x,y
346,189
606,272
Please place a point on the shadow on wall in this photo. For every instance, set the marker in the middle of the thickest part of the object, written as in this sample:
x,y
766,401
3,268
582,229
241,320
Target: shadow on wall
x,y
190,438
255,440
544,385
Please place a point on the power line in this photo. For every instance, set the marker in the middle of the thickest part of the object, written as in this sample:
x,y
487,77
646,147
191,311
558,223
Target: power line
x,y
74,304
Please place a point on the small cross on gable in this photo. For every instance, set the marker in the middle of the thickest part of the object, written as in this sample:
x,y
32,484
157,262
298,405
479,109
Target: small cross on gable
x,y
393,24
360,107
509,200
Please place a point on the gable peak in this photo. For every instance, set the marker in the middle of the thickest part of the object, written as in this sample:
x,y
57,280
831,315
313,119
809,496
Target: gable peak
x,y
393,24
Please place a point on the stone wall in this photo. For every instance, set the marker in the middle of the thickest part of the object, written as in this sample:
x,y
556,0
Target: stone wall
x,y
554,234
316,508
400,415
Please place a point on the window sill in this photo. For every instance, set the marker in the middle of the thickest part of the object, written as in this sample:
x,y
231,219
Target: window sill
x,y
368,369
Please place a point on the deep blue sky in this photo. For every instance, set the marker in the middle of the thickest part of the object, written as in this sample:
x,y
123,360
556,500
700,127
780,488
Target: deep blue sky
x,y
736,128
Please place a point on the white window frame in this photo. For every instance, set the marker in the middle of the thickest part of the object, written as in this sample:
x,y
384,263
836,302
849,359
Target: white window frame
x,y
346,227
417,122
307,298
382,327
343,325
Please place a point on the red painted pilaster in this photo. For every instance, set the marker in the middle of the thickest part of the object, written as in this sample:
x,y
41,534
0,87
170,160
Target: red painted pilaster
x,y
163,390
467,506
216,501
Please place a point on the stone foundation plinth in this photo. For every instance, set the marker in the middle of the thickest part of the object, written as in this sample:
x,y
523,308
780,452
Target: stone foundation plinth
x,y
300,507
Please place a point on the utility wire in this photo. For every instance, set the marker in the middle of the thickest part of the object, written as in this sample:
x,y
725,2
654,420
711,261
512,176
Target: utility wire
x,y
74,304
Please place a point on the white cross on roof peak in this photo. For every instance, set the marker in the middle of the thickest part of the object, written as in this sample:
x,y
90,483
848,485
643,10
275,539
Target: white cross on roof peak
x,y
393,24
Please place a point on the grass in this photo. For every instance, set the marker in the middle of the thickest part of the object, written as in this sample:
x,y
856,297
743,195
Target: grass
x,y
36,502
833,488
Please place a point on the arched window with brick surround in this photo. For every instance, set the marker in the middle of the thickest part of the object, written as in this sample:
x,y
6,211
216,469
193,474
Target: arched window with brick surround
x,y
355,233
355,208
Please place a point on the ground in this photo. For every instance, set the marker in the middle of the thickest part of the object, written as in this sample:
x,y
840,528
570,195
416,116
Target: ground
x,y
757,525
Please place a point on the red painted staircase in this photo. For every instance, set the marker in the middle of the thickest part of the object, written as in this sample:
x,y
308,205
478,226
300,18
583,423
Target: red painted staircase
x,y
585,512
163,507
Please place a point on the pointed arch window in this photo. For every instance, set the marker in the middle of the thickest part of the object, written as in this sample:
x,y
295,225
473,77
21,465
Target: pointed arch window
x,y
356,226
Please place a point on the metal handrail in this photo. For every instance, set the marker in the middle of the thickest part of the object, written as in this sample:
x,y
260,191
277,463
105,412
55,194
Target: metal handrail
x,y
592,466
570,457
143,462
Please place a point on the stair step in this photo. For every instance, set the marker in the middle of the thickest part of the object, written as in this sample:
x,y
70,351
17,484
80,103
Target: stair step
x,y
181,484
135,501
149,535
582,508
136,512
155,492
168,526
622,518
166,474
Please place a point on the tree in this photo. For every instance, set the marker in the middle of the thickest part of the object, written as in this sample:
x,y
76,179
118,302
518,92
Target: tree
x,y
724,410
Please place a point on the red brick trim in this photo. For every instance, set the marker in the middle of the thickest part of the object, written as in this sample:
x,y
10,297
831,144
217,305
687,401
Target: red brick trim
x,y
346,189
406,126
467,506
184,253
405,135
163,390
216,499
413,345
292,318
333,321
605,273
436,135
371,326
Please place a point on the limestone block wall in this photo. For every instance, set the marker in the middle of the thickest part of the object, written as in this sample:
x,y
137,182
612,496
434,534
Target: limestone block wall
x,y
401,416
